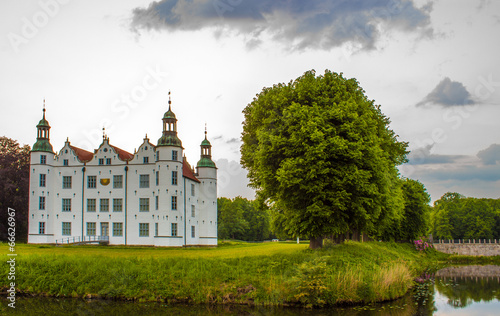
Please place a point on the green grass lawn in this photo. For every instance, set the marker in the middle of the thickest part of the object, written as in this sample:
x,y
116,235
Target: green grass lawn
x,y
243,273
225,250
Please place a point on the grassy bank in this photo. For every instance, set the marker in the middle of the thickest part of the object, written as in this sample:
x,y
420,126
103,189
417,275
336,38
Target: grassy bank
x,y
264,274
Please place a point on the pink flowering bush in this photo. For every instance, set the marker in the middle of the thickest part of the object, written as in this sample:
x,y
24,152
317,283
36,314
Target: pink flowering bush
x,y
425,277
422,244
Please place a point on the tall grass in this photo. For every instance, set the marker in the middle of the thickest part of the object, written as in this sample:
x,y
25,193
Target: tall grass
x,y
392,281
262,274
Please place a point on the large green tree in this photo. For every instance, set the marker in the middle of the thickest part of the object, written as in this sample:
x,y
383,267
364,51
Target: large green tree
x,y
14,186
414,220
416,215
322,154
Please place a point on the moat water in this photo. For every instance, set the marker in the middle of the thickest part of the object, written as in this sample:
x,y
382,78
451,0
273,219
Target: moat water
x,y
468,290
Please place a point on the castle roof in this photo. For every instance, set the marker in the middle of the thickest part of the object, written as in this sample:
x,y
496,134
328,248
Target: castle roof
x,y
122,154
82,154
187,172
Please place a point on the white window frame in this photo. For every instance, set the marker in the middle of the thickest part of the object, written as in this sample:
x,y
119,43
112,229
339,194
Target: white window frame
x,y
144,181
91,207
41,228
174,228
117,182
91,229
41,203
174,177
117,229
91,182
143,204
143,229
174,203
43,180
66,228
67,182
104,205
117,204
66,205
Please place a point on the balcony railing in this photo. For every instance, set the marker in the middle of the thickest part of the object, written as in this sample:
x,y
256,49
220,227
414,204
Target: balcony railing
x,y
467,241
83,240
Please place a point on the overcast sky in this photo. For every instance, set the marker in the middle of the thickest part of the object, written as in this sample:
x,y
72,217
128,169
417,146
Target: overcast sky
x,y
433,66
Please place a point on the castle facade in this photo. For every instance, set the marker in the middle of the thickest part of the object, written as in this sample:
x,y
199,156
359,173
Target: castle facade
x,y
152,197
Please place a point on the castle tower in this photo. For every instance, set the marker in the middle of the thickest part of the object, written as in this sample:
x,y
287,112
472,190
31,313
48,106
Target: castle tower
x,y
169,175
41,175
207,174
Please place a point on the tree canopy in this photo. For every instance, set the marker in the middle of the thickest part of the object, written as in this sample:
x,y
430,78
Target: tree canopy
x,y
322,154
242,219
14,186
415,218
455,216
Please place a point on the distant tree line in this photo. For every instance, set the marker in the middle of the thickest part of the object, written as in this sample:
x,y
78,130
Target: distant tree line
x,y
243,219
455,216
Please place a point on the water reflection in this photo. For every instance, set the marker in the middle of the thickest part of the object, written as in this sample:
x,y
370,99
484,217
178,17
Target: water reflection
x,y
465,290
468,290
51,306
471,290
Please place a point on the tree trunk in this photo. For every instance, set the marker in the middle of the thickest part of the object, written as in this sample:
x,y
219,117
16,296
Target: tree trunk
x,y
355,235
316,242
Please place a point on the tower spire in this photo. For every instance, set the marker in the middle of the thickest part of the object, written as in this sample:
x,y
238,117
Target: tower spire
x,y
169,135
43,132
169,100
206,153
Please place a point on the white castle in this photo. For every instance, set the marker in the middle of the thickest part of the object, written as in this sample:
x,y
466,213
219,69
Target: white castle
x,y
152,197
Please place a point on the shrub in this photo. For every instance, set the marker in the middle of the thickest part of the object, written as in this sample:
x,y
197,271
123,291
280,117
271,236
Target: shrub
x,y
422,244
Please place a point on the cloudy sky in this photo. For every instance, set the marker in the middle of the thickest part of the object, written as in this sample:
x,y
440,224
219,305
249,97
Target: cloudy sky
x,y
433,66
